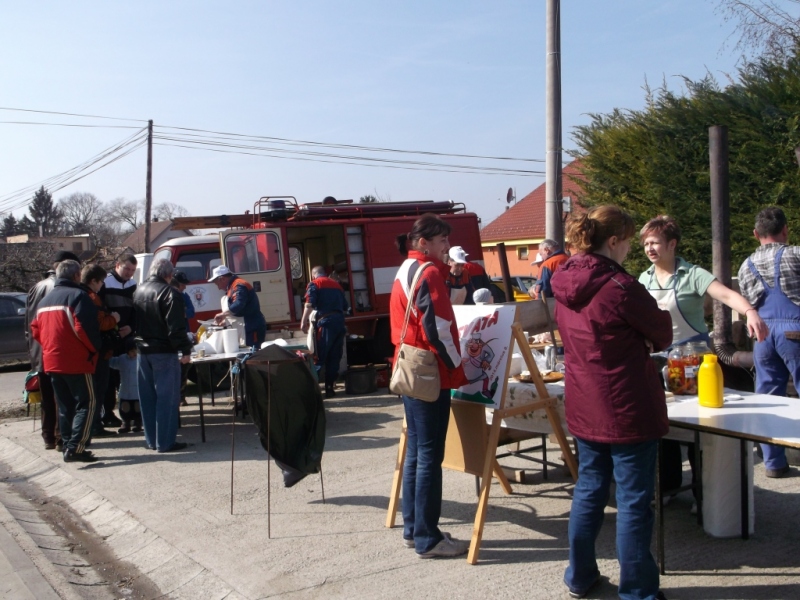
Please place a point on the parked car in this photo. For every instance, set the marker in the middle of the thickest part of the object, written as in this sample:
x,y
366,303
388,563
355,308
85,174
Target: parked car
x,y
520,284
13,345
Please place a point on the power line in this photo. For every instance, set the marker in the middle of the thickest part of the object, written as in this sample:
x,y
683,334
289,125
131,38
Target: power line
x,y
347,162
14,200
70,125
350,146
50,112
344,156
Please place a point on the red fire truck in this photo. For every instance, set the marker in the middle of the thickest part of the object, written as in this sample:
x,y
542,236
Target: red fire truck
x,y
276,246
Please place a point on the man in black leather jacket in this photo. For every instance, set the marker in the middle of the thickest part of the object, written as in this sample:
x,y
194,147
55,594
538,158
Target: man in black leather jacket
x,y
160,335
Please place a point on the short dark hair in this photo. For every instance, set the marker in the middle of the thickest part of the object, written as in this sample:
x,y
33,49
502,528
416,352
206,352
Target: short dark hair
x,y
661,225
92,272
770,222
428,226
127,257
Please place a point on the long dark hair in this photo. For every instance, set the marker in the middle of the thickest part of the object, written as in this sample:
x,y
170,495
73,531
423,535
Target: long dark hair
x,y
428,226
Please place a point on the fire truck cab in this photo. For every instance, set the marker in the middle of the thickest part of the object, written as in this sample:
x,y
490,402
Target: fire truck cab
x,y
276,246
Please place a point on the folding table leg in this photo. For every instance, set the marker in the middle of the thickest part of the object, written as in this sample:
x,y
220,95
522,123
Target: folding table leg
x,y
745,490
659,515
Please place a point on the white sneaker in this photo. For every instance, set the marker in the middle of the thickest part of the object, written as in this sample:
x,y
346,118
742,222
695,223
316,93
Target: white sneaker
x,y
410,543
446,548
693,510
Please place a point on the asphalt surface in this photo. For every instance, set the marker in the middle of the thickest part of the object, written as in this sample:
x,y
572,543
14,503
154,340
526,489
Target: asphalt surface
x,y
168,517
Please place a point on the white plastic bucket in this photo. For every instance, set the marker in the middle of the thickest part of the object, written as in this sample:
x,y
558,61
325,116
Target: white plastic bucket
x,y
230,341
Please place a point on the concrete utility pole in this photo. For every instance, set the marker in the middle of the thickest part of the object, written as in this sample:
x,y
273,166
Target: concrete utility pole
x,y
554,228
720,225
148,195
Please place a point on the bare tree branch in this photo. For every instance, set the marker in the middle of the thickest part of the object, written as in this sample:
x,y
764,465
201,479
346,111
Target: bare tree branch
x,y
764,26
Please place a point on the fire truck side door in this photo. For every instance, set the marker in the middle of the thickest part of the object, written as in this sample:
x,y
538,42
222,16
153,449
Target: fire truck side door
x,y
257,256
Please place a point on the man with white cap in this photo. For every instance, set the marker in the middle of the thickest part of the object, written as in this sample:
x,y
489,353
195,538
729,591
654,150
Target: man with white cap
x,y
458,280
242,302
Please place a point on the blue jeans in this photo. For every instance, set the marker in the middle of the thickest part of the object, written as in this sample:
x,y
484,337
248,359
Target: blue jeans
x,y
633,467
159,398
776,359
426,429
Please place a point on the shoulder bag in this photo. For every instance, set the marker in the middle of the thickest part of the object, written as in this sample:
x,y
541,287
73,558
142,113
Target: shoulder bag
x,y
416,371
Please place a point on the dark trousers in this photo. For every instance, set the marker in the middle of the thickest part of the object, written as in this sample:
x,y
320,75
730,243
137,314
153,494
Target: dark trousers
x,y
671,465
100,381
76,404
109,399
330,346
50,430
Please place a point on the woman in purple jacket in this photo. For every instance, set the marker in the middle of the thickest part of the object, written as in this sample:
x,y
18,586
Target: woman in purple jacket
x,y
615,404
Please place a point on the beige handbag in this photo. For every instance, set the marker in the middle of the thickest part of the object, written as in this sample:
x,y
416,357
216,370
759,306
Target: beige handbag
x,y
416,371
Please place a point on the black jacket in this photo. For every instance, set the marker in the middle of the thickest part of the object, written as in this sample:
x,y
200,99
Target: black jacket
x,y
160,318
35,295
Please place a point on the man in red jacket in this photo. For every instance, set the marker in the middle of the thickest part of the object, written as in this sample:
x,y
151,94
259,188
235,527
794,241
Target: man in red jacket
x,y
66,326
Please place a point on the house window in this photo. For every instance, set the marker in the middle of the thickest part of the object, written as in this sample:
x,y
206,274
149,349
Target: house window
x,y
77,247
522,252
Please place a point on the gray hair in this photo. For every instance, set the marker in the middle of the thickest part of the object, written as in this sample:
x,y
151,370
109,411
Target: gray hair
x,y
548,244
68,269
482,296
161,268
318,271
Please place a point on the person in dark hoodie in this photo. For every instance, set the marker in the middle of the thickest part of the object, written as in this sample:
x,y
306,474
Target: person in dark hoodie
x,y
615,405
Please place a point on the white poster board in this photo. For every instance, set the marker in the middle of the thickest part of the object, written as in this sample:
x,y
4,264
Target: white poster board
x,y
485,335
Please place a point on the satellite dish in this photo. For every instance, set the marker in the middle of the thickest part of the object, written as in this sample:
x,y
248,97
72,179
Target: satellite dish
x,y
510,196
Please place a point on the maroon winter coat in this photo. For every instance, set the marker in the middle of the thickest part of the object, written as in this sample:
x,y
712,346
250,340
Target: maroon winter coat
x,y
605,316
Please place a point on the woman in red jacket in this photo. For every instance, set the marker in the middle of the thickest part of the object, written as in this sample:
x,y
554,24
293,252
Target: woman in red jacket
x,y
615,404
432,326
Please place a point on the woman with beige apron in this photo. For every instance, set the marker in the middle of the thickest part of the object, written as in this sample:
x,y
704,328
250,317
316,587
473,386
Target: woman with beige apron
x,y
680,287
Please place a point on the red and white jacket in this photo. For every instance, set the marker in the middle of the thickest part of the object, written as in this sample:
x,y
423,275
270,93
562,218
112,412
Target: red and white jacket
x,y
67,328
431,324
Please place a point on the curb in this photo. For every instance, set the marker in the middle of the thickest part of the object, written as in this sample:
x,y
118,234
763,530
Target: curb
x,y
175,574
44,581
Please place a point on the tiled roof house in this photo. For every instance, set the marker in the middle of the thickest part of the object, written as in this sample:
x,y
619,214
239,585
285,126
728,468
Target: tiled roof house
x,y
522,227
160,232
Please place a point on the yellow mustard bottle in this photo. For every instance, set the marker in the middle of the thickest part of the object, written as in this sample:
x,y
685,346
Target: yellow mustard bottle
x,y
709,382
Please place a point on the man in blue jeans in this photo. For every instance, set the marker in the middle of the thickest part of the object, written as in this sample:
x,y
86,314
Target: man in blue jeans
x,y
770,280
160,336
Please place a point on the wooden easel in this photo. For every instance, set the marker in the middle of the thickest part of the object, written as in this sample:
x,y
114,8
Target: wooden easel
x,y
463,448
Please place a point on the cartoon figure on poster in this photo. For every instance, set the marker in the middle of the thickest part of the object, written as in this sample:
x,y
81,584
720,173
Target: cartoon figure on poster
x,y
477,362
485,335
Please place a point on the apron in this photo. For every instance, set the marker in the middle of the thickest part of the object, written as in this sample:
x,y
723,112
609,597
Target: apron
x,y
667,299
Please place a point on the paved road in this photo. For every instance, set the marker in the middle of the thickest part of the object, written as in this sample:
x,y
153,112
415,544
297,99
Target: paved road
x,y
169,517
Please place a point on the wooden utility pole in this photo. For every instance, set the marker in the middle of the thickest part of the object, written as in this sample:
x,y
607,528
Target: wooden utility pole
x,y
554,228
148,196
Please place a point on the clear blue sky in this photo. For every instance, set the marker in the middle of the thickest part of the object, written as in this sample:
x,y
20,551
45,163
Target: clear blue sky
x,y
457,77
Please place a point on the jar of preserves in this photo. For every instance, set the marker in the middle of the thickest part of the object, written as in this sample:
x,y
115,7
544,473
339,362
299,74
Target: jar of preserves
x,y
691,362
675,371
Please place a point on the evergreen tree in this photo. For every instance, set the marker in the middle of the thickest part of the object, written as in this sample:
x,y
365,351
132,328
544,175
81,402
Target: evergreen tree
x,y
655,160
44,214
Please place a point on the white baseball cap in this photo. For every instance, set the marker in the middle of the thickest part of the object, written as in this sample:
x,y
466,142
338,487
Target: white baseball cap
x,y
458,255
218,272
